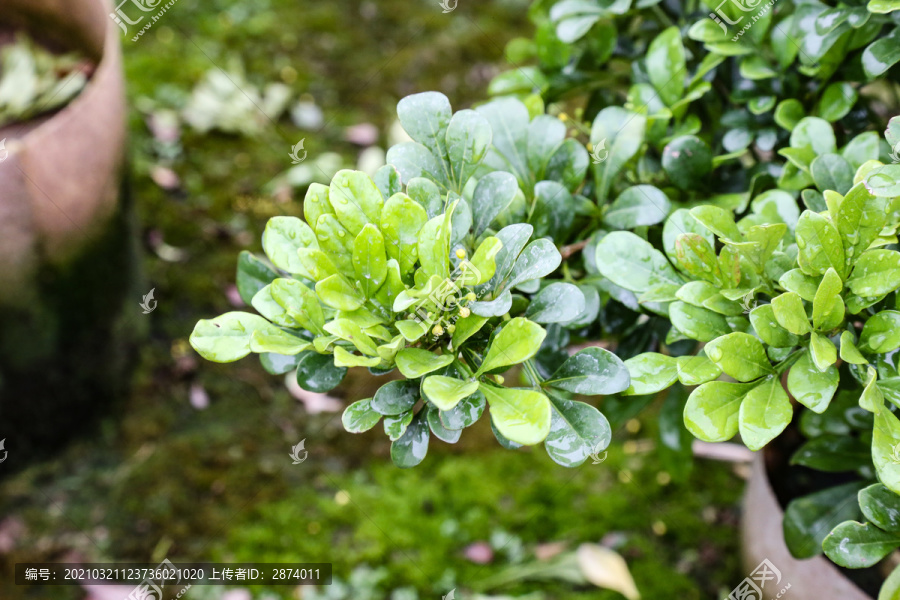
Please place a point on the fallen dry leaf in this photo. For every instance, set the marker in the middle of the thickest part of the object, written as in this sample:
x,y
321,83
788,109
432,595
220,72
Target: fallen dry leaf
x,y
607,569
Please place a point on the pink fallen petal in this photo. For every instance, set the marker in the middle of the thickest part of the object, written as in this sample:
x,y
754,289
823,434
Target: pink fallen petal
x,y
11,530
364,134
199,397
479,553
165,178
234,297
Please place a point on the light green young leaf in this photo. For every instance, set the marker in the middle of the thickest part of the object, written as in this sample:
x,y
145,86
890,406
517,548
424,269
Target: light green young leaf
x,y
790,313
694,370
765,412
871,399
355,199
848,350
415,362
877,272
227,337
370,260
828,306
281,240
316,203
446,392
522,416
650,373
767,328
697,323
401,221
820,245
518,341
885,440
823,351
337,292
881,333
621,133
811,387
740,356
712,410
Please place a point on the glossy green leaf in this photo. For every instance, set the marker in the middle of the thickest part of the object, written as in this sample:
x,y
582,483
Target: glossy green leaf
x,y
886,448
446,392
355,199
687,160
227,337
790,313
697,323
556,303
414,362
433,417
336,242
822,351
396,397
395,425
820,245
337,292
592,371
877,272
694,370
468,139
410,449
855,545
832,172
871,399
881,333
848,350
666,65
719,221
465,413
621,133
359,417
837,100
493,194
522,416
632,263
881,507
316,203
828,306
712,410
636,206
808,520
810,386
283,237
318,373
401,221
252,276
518,341
577,431
740,356
765,412
650,373
800,283
833,453
538,259
769,331
370,260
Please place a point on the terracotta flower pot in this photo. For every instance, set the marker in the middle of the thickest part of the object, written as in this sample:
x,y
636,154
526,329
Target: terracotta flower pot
x,y
812,579
69,277
60,181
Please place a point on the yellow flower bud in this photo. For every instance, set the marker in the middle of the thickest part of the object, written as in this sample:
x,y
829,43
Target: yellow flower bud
x,y
471,297
464,312
460,254
451,328
563,117
438,331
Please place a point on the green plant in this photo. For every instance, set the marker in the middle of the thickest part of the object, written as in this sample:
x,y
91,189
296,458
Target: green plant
x,y
807,298
384,281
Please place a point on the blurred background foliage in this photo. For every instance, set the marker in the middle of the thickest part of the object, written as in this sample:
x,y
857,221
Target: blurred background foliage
x,y
194,465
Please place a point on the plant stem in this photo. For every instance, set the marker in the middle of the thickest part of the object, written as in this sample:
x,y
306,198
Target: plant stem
x,y
532,373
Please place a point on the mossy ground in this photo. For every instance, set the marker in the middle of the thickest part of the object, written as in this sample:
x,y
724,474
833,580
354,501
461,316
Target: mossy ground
x,y
158,478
